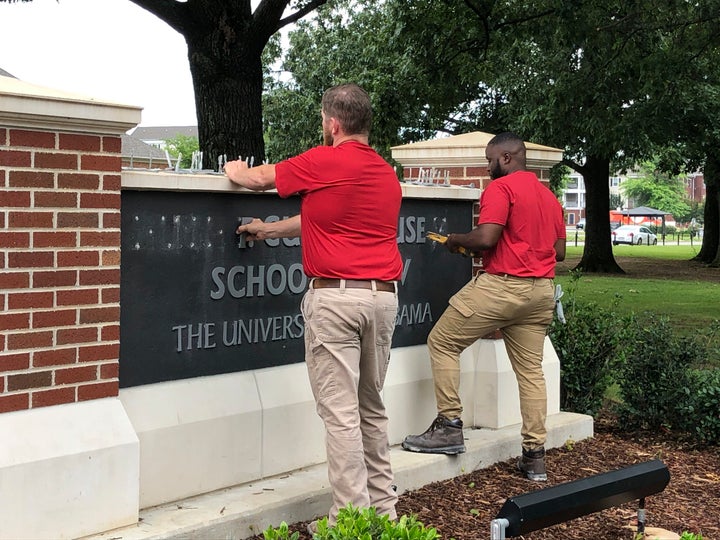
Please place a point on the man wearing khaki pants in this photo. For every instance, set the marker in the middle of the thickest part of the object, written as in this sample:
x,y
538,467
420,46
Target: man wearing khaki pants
x,y
520,235
348,225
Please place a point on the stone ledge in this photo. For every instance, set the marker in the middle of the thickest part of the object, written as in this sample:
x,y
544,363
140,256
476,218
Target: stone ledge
x,y
246,510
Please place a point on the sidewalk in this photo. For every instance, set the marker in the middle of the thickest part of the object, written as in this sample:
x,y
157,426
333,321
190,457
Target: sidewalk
x,y
243,511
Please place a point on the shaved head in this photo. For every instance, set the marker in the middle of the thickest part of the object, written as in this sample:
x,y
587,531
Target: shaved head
x,y
510,142
505,153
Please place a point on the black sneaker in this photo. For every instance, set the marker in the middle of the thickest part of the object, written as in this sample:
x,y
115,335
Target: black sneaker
x,y
442,437
532,464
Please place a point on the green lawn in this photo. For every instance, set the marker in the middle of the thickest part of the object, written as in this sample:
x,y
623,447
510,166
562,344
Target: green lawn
x,y
689,305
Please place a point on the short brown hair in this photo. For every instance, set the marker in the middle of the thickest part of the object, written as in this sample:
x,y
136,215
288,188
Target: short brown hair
x,y
350,105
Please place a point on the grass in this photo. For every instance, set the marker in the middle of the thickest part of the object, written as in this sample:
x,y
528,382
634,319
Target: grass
x,y
690,305
670,252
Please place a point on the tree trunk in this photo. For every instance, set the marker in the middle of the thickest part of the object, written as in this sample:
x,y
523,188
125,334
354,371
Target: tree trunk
x,y
597,255
710,250
228,99
225,42
713,217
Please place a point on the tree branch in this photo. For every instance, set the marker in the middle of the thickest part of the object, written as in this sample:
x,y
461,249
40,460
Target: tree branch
x,y
522,20
299,14
172,12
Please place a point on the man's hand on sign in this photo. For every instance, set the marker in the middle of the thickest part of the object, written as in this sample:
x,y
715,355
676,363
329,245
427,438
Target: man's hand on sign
x,y
255,230
236,170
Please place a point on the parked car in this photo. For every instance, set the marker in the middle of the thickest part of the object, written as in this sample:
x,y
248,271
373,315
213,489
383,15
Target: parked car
x,y
634,235
580,224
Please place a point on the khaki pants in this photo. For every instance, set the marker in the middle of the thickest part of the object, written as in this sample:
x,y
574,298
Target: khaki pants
x,y
348,333
523,309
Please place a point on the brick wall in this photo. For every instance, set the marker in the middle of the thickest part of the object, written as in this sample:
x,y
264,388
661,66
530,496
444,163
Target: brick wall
x,y
59,267
457,176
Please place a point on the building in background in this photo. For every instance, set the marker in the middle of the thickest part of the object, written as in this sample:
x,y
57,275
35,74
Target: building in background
x,y
137,154
574,196
157,135
695,187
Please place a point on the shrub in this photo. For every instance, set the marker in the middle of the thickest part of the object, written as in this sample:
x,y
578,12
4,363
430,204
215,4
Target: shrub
x,y
361,524
655,379
589,346
701,405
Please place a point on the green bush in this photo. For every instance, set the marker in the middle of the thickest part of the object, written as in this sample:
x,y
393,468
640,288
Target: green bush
x,y
361,524
701,405
590,348
655,378
665,380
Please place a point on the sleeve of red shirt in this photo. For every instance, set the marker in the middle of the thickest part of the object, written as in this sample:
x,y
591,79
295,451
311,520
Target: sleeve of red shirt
x,y
294,175
494,205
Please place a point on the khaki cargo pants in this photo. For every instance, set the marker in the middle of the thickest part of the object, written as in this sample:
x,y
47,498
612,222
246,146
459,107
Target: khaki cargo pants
x,y
523,309
348,333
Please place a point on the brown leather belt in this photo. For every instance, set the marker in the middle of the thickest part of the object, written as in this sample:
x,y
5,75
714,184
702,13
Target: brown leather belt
x,y
384,286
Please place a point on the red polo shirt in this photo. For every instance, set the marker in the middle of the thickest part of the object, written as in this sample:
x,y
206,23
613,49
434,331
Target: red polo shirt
x,y
533,220
350,209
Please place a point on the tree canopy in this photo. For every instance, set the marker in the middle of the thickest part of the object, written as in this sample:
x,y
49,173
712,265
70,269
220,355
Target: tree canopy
x,y
360,41
658,189
602,80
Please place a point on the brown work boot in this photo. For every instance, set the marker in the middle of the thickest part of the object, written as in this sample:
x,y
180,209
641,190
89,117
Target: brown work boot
x,y
532,464
442,437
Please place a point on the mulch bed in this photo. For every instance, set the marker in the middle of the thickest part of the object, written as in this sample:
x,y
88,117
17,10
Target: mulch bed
x,y
462,508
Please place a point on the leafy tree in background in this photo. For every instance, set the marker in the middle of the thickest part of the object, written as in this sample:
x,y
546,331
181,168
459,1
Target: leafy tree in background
x,y
361,41
183,145
658,189
600,79
603,81
331,49
594,83
559,179
698,126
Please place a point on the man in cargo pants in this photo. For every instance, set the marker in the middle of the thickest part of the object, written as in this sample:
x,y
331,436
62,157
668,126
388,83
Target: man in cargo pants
x,y
348,225
521,234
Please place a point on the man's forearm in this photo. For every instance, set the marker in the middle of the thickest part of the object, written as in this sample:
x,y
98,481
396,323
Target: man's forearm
x,y
258,178
285,228
481,238
258,229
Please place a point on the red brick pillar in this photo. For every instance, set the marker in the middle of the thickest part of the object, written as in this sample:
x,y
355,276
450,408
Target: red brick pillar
x,y
59,266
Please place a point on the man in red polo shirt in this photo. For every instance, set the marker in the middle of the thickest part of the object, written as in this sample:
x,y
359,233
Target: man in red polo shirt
x,y
521,234
348,226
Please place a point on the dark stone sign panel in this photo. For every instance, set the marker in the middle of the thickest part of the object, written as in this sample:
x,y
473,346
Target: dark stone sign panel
x,y
198,300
